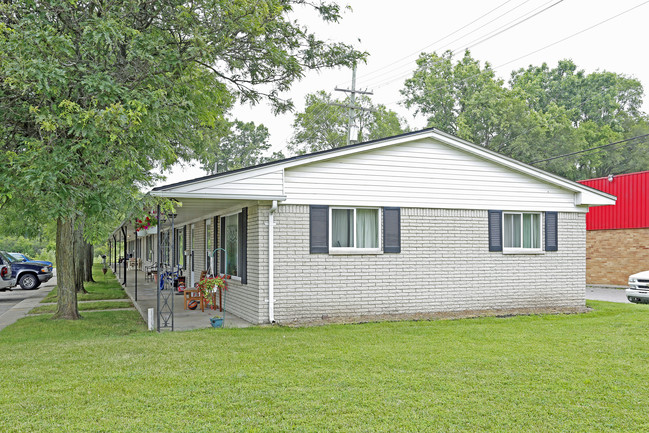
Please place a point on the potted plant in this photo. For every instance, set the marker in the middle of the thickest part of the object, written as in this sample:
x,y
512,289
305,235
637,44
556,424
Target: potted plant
x,y
208,286
145,223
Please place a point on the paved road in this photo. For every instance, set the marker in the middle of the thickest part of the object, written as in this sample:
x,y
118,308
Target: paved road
x,y
16,303
602,294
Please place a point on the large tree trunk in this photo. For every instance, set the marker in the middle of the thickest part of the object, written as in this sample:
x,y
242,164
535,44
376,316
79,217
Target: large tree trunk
x,y
65,271
90,255
79,257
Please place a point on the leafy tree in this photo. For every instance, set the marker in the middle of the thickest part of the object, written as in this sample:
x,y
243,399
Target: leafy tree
x,y
95,96
605,98
244,146
323,123
539,114
442,90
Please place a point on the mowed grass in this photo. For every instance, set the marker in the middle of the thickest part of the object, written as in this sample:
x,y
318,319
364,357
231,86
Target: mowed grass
x,y
86,306
105,373
104,287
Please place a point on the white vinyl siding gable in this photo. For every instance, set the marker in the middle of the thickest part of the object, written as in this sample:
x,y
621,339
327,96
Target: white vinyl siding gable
x,y
424,174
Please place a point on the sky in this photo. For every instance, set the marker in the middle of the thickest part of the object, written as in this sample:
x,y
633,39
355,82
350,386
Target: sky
x,y
597,35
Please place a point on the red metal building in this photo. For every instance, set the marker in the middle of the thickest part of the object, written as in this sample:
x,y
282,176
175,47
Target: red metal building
x,y
617,238
632,207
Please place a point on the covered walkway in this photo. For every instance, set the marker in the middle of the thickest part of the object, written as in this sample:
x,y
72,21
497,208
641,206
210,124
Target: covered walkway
x,y
183,319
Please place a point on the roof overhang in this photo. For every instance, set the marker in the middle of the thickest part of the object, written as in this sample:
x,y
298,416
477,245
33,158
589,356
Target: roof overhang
x,y
185,195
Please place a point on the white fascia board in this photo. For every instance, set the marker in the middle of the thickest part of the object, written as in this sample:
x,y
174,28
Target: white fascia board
x,y
225,178
587,198
254,197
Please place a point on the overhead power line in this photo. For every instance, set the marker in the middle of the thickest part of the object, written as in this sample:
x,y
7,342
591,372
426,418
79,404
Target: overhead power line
x,y
577,33
483,38
590,149
501,30
415,53
391,80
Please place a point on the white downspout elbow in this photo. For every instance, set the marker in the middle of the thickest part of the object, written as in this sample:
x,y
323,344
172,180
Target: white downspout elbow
x,y
271,287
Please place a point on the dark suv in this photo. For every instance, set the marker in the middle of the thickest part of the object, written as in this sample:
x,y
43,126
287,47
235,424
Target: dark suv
x,y
30,275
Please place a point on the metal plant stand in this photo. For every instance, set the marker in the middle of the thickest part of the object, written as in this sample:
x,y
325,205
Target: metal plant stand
x,y
225,267
165,292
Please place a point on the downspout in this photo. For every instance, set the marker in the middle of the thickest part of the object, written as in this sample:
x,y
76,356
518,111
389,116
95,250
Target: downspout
x,y
271,287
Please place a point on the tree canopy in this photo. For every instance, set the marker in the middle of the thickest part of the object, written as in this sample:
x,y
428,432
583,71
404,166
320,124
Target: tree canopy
x,y
244,146
540,113
95,96
323,123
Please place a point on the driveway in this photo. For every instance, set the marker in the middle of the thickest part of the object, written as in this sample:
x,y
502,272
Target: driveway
x,y
15,304
604,294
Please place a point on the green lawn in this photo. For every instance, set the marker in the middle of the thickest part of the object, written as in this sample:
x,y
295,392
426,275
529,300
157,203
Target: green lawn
x,y
86,306
104,287
105,373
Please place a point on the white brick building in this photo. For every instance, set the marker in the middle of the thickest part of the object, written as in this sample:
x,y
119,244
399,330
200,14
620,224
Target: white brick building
x,y
418,225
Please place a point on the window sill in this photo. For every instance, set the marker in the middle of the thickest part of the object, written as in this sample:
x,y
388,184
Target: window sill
x,y
354,252
233,278
524,252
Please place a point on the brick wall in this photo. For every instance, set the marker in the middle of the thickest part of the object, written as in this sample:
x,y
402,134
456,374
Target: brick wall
x,y
444,268
248,301
613,255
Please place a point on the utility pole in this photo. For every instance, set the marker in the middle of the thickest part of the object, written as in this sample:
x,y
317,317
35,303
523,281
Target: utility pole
x,y
352,106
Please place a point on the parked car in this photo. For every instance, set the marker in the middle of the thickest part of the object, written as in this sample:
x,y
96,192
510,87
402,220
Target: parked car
x,y
638,291
29,275
23,258
6,280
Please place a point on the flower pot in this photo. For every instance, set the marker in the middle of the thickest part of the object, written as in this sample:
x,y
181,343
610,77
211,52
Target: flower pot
x,y
217,322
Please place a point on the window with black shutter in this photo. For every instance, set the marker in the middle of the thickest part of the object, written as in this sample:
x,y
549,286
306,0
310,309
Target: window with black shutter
x,y
354,230
233,232
521,232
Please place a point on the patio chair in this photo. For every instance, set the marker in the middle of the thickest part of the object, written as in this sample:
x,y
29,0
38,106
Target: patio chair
x,y
194,294
149,270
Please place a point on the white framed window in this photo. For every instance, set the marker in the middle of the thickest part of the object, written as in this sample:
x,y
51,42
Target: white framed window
x,y
230,239
522,232
354,229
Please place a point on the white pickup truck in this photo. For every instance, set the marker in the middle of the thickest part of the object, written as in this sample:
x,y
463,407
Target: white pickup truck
x,y
5,273
638,290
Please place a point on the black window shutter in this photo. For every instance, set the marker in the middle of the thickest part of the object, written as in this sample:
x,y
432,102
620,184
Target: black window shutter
x,y
184,247
495,230
318,229
391,230
243,245
222,244
174,258
551,232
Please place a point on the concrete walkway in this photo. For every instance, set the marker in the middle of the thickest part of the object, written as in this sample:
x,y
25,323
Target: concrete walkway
x,y
26,300
601,293
183,320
